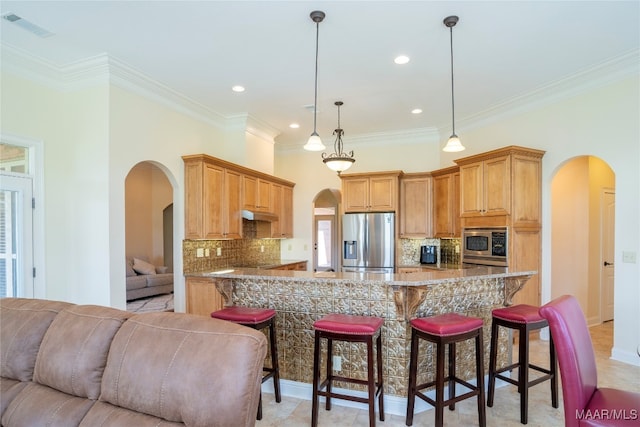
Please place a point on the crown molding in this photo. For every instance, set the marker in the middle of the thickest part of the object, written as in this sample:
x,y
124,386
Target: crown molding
x,y
98,70
586,80
254,126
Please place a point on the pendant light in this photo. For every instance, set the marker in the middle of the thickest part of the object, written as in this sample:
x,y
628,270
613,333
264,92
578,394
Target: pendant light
x,y
338,161
315,143
453,144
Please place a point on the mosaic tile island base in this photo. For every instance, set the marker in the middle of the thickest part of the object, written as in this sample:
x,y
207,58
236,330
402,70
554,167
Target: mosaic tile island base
x,y
300,298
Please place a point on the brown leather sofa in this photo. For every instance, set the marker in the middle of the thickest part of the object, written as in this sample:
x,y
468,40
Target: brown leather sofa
x,y
84,365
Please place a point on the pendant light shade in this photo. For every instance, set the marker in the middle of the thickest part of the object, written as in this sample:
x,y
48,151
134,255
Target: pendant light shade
x,y
315,142
453,144
338,161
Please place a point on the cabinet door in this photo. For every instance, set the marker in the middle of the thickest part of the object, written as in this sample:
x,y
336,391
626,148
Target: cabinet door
x,y
382,193
356,194
415,207
443,205
526,191
193,200
276,203
250,192
471,189
286,214
497,186
455,203
232,205
264,196
202,296
213,215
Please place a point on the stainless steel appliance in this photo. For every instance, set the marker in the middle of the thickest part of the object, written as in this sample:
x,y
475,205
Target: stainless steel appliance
x,y
485,246
368,242
428,254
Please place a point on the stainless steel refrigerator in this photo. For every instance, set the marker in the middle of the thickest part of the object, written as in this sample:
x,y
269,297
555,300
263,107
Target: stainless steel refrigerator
x,y
368,241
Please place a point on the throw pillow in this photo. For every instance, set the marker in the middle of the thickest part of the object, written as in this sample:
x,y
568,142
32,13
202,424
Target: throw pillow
x,y
143,267
162,269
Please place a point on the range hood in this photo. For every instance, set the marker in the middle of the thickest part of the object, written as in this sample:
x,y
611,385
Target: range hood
x,y
259,216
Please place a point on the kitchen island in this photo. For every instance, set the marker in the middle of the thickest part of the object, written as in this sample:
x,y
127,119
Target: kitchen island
x,y
300,298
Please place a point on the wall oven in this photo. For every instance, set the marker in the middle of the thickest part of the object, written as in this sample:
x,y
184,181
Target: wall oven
x,y
485,246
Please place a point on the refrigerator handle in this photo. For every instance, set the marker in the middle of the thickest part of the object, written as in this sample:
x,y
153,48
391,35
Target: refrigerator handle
x,y
365,248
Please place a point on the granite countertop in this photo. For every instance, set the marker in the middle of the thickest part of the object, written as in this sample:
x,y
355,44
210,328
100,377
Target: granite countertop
x,y
269,265
402,279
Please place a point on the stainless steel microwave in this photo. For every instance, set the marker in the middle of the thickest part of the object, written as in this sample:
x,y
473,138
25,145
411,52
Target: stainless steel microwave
x,y
485,246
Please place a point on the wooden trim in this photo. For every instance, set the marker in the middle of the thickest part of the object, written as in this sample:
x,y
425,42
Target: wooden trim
x,y
512,149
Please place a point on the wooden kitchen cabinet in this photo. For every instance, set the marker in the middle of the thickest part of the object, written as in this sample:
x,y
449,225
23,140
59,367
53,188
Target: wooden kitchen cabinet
x,y
257,194
416,206
446,202
485,187
504,188
282,203
202,296
212,201
371,192
216,191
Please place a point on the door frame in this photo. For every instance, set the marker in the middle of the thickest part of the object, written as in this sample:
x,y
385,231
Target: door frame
x,y
36,168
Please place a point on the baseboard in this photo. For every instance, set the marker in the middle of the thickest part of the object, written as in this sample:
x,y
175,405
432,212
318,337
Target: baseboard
x,y
625,356
395,405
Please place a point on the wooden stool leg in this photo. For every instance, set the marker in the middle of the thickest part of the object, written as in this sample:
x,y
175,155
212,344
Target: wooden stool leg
x,y
439,383
482,415
553,367
371,383
523,372
380,376
413,368
329,373
452,374
316,379
274,360
493,357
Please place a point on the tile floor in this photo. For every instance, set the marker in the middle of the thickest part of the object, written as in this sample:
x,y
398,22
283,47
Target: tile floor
x,y
505,411
154,303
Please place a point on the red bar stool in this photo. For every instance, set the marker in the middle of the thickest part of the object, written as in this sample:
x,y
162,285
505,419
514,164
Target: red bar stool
x,y
257,318
446,330
524,319
344,327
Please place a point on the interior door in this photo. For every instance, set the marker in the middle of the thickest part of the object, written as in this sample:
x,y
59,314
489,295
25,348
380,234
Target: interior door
x,y
325,254
16,236
607,271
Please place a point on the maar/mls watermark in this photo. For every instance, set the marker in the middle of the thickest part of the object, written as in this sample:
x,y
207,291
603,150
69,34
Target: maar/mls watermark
x,y
607,414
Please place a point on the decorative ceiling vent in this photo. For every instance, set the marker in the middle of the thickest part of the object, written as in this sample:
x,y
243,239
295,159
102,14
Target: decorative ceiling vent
x,y
26,25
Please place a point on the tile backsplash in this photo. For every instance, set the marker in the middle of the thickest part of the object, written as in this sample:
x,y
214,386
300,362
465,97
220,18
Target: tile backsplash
x,y
409,250
246,251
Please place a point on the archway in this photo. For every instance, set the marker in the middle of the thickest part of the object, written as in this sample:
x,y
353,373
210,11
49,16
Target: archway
x,y
326,226
149,223
582,225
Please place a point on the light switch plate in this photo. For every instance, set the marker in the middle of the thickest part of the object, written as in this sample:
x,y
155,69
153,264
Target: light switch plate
x,y
199,252
629,257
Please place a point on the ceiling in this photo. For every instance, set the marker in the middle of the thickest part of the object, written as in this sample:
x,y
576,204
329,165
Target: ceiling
x,y
505,54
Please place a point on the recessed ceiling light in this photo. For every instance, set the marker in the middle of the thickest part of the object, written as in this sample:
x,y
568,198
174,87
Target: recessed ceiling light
x,y
294,125
401,60
237,88
416,111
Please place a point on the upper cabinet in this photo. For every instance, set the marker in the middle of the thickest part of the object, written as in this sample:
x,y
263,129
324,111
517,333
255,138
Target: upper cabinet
x,y
371,192
500,183
416,206
446,202
216,192
257,194
212,201
282,204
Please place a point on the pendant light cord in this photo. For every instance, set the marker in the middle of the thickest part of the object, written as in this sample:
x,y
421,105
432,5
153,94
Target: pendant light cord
x,y
453,109
315,97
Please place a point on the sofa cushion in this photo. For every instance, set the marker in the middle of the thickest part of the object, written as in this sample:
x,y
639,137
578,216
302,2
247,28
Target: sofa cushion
x,y
39,405
23,323
9,389
160,279
130,271
162,269
143,267
136,282
76,367
106,415
186,368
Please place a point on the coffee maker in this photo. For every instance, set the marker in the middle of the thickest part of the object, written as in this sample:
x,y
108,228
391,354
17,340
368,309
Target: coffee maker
x,y
428,254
